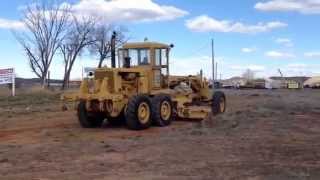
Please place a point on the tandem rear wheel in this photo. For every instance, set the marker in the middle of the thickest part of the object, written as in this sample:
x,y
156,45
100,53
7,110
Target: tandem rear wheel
x,y
162,110
138,113
143,111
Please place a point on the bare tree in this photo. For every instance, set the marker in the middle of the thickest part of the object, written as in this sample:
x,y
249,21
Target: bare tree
x,y
45,24
78,37
102,41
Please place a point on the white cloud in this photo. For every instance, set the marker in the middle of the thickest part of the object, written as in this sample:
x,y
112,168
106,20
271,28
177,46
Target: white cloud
x,y
193,65
298,69
284,41
11,24
114,11
297,65
279,55
205,23
312,54
248,50
256,68
301,6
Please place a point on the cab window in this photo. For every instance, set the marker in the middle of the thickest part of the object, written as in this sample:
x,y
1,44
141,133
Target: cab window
x,y
161,58
144,58
134,57
164,58
158,57
137,56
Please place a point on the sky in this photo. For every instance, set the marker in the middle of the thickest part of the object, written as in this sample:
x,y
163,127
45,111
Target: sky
x,y
261,35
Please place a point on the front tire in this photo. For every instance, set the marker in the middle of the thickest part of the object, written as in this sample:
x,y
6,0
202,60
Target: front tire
x,y
219,103
138,113
89,120
162,110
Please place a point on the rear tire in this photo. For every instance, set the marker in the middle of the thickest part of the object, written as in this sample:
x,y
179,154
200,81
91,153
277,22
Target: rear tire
x,y
162,110
219,103
89,120
138,113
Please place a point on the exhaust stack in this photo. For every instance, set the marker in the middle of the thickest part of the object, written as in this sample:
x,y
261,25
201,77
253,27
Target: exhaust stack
x,y
113,49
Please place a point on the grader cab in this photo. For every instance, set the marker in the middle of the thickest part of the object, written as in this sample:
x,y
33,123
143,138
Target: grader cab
x,y
141,92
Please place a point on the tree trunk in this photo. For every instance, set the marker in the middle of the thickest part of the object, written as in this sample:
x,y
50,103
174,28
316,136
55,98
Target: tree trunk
x,y
64,83
63,87
65,80
67,74
43,80
100,62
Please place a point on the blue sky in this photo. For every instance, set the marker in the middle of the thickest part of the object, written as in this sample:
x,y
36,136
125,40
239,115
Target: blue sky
x,y
262,35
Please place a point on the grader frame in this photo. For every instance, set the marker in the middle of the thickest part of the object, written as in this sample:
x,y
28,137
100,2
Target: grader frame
x,y
141,92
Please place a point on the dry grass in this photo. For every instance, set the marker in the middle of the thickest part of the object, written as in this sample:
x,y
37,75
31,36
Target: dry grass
x,y
28,101
34,96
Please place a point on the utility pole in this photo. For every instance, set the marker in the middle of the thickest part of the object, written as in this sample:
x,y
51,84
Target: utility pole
x,y
82,73
213,63
216,72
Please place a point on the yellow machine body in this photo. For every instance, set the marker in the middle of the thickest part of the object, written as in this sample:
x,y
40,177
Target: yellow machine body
x,y
110,89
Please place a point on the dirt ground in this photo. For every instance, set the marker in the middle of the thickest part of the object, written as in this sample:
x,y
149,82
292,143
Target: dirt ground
x,y
264,135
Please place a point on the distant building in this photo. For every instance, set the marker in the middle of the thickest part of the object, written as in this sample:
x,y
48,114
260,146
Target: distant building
x,y
274,84
270,83
313,82
259,83
234,82
292,82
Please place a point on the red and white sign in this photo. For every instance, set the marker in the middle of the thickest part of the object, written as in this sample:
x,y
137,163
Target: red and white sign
x,y
7,76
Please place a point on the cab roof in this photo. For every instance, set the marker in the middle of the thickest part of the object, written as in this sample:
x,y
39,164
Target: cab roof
x,y
144,45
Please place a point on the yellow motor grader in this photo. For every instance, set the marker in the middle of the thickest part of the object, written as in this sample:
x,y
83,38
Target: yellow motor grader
x,y
139,91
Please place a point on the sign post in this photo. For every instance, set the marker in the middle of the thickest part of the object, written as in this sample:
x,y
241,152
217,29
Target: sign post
x,y
7,76
13,83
